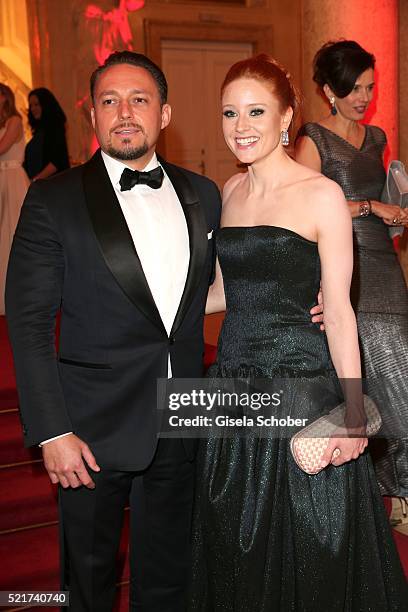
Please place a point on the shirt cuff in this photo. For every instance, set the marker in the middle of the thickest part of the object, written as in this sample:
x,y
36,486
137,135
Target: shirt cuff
x,y
55,438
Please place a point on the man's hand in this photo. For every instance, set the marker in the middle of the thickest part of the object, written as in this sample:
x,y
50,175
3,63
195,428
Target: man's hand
x,y
64,462
317,311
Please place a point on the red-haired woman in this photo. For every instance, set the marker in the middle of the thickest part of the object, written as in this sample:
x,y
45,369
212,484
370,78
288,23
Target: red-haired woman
x,y
268,536
13,180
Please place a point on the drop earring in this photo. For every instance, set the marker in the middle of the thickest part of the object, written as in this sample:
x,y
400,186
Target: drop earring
x,y
333,109
285,138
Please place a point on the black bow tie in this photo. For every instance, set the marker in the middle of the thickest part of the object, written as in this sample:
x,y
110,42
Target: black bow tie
x,y
130,178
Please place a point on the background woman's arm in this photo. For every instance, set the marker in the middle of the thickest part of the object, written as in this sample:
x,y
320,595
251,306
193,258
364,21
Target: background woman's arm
x,y
13,133
307,154
47,171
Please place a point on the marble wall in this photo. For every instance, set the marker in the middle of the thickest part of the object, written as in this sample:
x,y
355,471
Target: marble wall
x,y
403,111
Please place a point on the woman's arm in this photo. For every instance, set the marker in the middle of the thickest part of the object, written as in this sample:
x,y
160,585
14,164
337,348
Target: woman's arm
x,y
13,133
307,154
216,297
47,171
335,243
55,152
389,212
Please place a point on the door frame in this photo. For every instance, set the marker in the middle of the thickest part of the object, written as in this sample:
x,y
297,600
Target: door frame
x,y
261,38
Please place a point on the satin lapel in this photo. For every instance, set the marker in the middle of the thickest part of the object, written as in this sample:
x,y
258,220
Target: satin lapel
x,y
197,231
115,240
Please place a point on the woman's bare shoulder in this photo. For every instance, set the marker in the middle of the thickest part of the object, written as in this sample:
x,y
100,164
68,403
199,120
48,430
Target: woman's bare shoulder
x,y
14,120
314,183
317,192
232,183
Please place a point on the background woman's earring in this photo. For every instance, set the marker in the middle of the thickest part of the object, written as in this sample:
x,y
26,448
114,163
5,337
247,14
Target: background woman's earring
x,y
285,138
333,109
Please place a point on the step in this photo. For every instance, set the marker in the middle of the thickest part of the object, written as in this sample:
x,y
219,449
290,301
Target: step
x,y
8,398
30,559
12,445
7,377
27,497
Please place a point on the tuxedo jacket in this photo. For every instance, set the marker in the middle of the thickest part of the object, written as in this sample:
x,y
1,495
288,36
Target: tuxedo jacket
x,y
73,253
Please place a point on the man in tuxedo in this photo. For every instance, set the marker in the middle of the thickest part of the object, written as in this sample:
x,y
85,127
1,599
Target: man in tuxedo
x,y
122,247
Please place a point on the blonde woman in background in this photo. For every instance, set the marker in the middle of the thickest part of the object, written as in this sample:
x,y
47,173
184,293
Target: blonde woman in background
x,y
13,179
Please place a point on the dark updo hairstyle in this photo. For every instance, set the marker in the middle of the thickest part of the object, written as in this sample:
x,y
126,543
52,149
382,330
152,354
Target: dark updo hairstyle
x,y
268,71
339,64
51,111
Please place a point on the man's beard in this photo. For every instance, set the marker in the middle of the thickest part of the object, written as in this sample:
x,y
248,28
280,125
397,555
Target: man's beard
x,y
128,153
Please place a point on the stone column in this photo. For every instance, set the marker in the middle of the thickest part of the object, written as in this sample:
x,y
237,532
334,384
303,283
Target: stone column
x,y
403,111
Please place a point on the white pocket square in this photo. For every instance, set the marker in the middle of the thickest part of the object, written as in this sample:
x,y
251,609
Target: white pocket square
x,y
209,235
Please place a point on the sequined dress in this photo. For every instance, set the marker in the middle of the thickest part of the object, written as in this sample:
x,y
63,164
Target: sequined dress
x,y
379,295
266,536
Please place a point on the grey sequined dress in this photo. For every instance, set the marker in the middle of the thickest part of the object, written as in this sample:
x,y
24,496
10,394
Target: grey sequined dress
x,y
266,536
379,296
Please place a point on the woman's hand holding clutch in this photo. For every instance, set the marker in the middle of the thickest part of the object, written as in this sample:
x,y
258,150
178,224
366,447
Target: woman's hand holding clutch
x,y
344,447
349,440
338,436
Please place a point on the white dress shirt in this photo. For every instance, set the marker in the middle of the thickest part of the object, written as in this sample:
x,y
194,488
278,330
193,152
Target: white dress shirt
x,y
158,227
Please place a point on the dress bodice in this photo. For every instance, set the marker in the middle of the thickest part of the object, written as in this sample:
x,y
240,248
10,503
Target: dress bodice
x,y
361,175
271,280
359,171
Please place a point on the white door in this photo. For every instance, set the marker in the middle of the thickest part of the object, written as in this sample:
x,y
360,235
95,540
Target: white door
x,y
195,71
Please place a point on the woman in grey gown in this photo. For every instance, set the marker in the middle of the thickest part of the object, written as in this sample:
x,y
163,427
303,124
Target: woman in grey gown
x,y
350,153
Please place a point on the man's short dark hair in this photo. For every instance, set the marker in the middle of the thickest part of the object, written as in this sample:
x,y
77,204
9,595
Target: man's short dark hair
x,y
133,59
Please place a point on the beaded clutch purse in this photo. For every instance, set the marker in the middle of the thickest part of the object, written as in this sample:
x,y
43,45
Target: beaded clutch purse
x,y
308,445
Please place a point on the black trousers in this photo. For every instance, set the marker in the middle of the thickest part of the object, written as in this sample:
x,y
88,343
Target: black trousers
x,y
160,518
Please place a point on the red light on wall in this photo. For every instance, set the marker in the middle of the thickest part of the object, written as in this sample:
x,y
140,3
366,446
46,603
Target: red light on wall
x,y
110,31
111,27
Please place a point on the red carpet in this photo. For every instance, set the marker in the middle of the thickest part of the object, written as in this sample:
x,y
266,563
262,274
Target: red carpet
x,y
8,393
28,513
